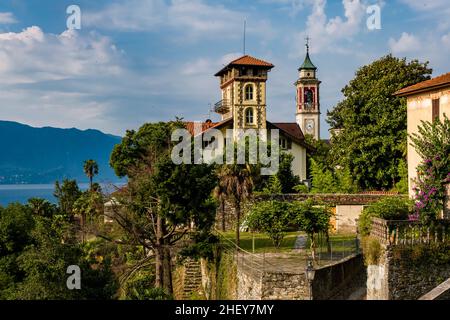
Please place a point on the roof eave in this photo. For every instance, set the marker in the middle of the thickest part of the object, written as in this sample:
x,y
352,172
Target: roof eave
x,y
402,93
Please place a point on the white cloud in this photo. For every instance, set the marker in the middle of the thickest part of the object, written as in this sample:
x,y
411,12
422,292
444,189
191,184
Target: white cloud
x,y
32,56
192,19
58,79
406,43
327,32
7,18
130,15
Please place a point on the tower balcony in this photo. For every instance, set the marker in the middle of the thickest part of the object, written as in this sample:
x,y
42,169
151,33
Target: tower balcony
x,y
223,106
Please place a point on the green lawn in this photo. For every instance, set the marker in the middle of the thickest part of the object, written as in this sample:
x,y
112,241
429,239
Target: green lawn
x,y
262,242
339,242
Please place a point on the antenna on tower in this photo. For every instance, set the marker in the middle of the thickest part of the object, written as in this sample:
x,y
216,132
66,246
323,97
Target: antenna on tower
x,y
307,43
245,29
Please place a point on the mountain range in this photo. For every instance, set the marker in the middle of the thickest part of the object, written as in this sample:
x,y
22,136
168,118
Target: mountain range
x,y
31,155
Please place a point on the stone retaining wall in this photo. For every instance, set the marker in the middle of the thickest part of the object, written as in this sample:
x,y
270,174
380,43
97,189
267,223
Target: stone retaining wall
x,y
396,278
337,281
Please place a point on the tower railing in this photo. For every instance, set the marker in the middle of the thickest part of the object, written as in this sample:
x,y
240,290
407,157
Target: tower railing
x,y
223,106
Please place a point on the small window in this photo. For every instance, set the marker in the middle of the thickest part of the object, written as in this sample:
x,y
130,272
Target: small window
x,y
436,109
285,144
249,116
249,92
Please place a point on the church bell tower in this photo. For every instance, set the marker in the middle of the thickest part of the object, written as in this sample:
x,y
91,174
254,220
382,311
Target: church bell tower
x,y
308,97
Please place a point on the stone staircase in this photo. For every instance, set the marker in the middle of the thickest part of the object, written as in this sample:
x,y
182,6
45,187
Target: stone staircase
x,y
192,278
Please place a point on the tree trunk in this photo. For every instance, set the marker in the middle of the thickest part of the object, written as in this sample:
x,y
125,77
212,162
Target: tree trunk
x,y
327,235
222,204
313,247
238,223
159,257
167,271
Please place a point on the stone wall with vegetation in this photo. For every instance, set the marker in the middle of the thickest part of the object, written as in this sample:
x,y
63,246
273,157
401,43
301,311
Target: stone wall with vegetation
x,y
407,273
337,281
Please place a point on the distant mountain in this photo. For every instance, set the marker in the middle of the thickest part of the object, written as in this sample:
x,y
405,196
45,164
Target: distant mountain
x,y
44,155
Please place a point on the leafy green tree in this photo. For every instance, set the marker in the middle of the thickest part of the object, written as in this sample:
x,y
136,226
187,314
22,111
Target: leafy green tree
x,y
320,151
402,185
312,218
35,253
42,207
285,176
271,217
90,168
89,206
323,180
162,200
432,143
373,122
67,194
344,181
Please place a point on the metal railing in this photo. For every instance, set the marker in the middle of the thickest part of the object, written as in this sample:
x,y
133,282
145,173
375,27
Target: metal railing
x,y
223,106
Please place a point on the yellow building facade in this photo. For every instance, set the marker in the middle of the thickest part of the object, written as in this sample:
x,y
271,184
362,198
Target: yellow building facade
x,y
426,101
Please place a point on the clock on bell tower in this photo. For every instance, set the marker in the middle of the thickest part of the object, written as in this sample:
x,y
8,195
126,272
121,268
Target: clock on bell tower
x,y
308,94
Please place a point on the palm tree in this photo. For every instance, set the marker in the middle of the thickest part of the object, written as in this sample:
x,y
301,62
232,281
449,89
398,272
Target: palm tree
x,y
221,197
237,184
90,169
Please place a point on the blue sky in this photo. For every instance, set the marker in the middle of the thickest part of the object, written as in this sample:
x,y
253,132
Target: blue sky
x,y
137,61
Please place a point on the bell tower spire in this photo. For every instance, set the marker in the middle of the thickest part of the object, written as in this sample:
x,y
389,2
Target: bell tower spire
x,y
308,97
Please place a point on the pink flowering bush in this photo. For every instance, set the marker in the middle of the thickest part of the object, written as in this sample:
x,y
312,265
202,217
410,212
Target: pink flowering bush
x,y
433,174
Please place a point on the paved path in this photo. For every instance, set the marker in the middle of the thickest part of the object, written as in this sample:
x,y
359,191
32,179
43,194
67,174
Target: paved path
x,y
300,243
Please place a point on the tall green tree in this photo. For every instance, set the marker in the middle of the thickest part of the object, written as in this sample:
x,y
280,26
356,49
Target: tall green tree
x,y
373,121
162,201
237,182
90,168
67,194
323,180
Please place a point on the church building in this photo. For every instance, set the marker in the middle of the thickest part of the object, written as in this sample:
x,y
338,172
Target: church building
x,y
243,85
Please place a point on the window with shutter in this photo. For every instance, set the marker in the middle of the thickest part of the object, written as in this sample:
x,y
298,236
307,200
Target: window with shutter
x,y
435,111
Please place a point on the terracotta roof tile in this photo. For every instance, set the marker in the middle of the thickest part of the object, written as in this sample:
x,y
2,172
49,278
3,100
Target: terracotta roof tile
x,y
246,61
291,128
443,80
251,61
205,125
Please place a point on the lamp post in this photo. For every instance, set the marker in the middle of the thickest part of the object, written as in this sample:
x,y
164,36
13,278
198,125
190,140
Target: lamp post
x,y
310,274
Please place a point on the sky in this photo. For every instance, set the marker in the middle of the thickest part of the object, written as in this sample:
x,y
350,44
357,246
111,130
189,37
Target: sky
x,y
137,61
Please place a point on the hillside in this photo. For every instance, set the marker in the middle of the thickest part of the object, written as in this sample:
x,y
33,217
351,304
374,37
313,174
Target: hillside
x,y
44,155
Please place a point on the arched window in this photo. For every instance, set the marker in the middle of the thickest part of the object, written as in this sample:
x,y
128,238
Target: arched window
x,y
309,98
249,92
249,116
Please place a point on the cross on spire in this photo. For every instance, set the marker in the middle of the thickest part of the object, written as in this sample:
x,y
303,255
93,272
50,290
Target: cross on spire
x,y
307,43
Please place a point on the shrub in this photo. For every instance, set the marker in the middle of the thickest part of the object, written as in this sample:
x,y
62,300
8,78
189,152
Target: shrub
x,y
372,250
301,188
272,218
392,208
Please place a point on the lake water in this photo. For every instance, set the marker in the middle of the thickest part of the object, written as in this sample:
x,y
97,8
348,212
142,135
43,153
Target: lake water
x,y
21,193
